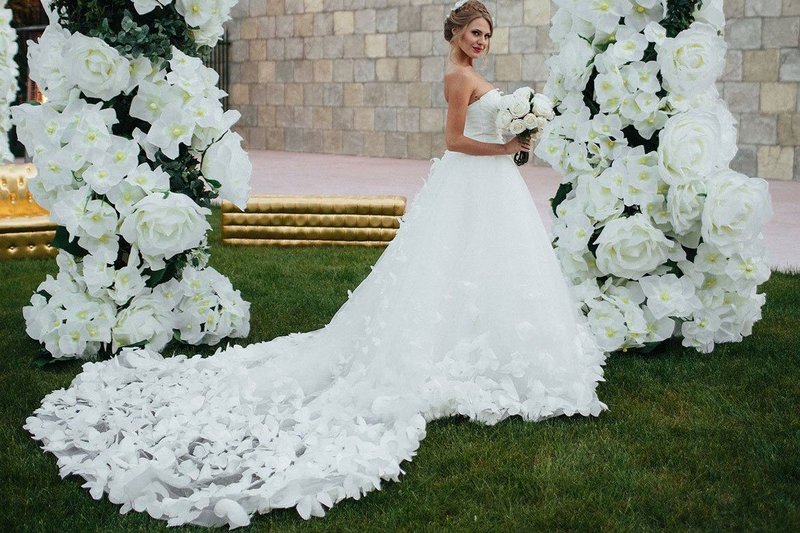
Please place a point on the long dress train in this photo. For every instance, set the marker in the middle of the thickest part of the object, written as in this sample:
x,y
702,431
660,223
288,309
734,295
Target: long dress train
x,y
465,313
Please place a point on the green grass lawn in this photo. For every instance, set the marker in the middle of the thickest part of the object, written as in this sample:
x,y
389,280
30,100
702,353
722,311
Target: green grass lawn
x,y
691,441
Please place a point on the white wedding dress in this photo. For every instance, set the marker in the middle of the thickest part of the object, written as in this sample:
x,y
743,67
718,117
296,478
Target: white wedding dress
x,y
465,313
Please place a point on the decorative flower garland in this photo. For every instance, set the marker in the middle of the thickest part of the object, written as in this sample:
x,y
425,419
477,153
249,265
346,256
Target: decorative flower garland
x,y
131,147
658,236
8,78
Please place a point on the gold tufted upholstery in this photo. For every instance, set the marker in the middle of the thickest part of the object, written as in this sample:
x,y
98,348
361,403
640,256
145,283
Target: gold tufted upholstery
x,y
281,220
25,228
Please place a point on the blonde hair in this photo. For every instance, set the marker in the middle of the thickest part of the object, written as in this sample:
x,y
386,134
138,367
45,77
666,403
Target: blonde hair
x,y
460,18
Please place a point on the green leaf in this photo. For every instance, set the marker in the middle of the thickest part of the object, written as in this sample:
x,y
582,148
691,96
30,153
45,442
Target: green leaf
x,y
62,242
561,195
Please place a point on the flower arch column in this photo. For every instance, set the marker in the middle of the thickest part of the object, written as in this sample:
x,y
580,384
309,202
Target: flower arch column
x,y
658,236
131,146
8,78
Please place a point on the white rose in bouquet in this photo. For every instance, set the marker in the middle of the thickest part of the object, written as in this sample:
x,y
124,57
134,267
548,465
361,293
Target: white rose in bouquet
x,y
689,146
517,126
736,208
504,118
519,107
95,67
523,93
542,106
692,60
631,247
165,226
226,162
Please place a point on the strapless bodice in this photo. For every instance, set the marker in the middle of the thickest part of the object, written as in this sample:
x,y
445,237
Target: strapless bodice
x,y
481,117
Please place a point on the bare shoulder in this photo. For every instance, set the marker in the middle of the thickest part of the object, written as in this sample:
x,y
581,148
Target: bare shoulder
x,y
459,79
460,75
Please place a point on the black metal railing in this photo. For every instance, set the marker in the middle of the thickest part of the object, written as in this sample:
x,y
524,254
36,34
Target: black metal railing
x,y
218,60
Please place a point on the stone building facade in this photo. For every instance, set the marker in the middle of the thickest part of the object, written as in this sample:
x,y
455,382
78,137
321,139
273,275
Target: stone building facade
x,y
364,77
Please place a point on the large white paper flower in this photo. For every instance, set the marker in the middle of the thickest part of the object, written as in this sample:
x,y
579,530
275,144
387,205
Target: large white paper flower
x,y
226,162
692,60
95,67
631,247
689,146
165,225
736,208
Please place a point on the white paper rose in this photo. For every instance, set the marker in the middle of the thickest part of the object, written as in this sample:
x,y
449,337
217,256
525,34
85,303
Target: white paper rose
x,y
631,247
692,60
165,225
95,67
226,162
689,146
736,208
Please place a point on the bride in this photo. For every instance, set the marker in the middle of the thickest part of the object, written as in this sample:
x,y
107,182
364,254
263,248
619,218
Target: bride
x,y
466,313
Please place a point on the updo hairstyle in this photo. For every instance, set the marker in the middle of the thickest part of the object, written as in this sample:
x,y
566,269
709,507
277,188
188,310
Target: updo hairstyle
x,y
461,17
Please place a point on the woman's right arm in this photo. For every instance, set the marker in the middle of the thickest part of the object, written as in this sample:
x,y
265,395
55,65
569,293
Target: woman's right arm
x,y
459,86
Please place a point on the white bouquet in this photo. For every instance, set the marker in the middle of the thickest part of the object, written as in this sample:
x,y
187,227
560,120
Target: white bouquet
x,y
524,113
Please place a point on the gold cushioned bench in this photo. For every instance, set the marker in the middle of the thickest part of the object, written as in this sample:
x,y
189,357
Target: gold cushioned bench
x,y
25,227
288,220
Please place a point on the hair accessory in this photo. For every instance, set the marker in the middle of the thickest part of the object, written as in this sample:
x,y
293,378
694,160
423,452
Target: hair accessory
x,y
458,4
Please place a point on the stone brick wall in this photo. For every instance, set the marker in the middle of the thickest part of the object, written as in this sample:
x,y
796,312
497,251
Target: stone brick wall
x,y
760,85
364,77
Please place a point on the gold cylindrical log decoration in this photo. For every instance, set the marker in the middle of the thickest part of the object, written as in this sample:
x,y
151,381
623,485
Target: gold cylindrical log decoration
x,y
311,220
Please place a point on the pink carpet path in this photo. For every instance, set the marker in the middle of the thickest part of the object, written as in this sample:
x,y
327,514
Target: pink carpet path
x,y
302,173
